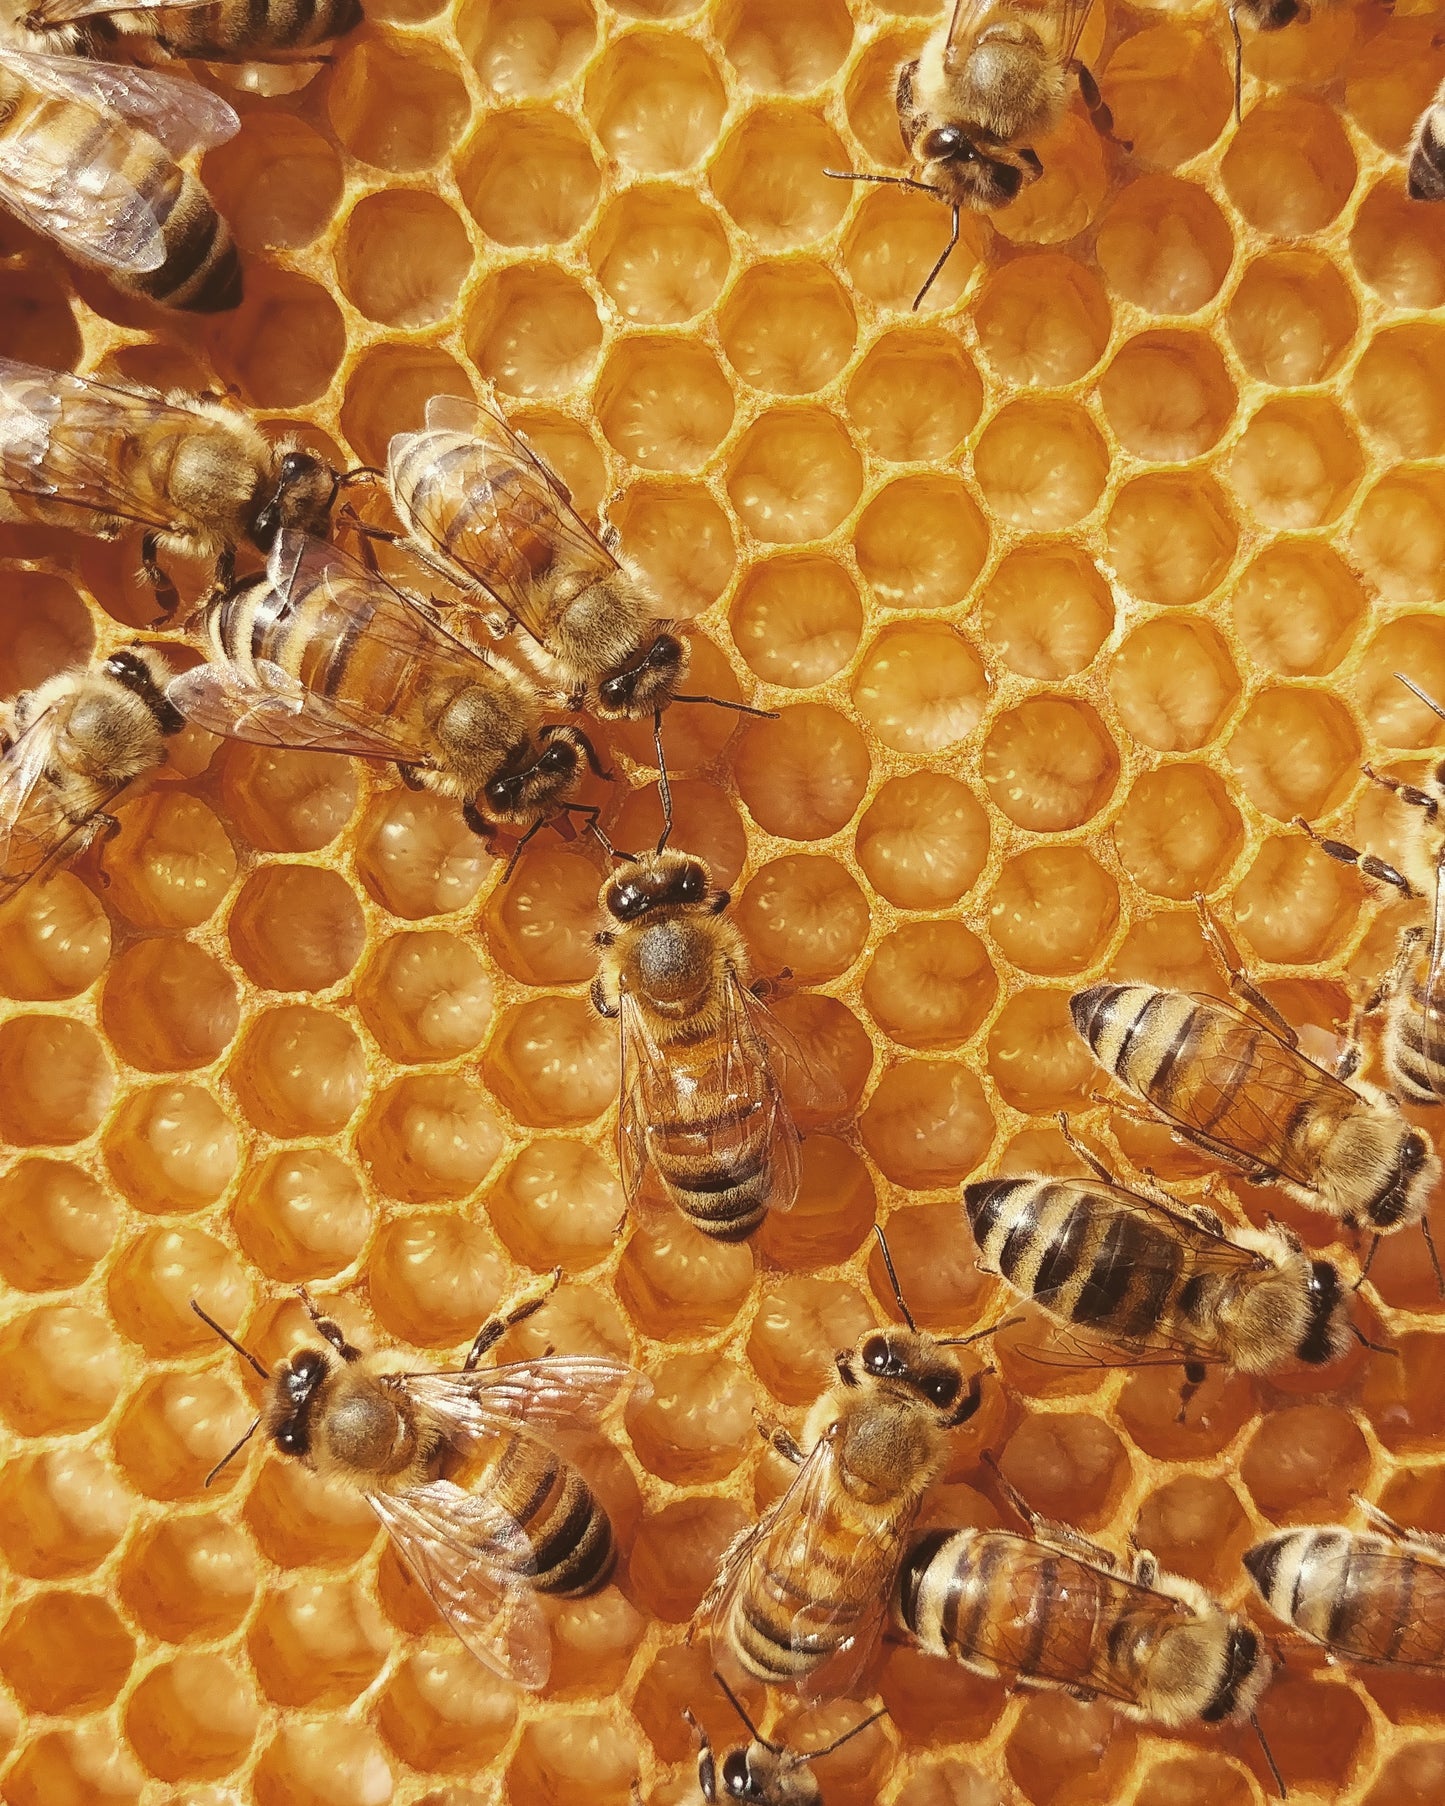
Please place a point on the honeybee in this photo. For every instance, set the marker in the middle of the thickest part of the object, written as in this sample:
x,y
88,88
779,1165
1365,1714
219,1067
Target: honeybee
x,y
322,654
1053,1611
197,473
801,1598
764,1772
1163,1282
527,1524
218,31
70,746
988,82
1235,1083
1426,180
1376,1598
88,159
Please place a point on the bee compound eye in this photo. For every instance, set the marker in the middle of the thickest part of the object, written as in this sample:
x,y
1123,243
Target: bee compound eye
x,y
290,1438
876,1355
692,886
558,757
942,1389
737,1777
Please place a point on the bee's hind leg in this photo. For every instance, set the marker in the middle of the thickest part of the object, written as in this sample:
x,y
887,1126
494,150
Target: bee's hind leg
x,y
168,597
1237,973
496,1327
1100,115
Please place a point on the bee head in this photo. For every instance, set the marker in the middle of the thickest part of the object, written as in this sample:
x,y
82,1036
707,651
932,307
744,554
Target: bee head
x,y
1327,1329
534,783
905,1360
760,1773
296,1384
966,175
1274,15
304,490
662,881
647,685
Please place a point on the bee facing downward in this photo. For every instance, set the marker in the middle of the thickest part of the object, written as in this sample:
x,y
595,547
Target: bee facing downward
x,y
764,1773
527,1524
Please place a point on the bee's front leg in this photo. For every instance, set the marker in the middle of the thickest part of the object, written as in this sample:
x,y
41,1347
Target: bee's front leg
x,y
168,597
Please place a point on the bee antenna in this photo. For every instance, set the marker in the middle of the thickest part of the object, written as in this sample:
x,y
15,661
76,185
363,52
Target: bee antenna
x,y
937,269
1369,1262
1374,1347
1429,701
893,1278
978,1335
847,1737
742,1712
607,846
226,1336
233,1451
864,175
363,473
1238,82
1279,1785
738,708
1434,1257
662,784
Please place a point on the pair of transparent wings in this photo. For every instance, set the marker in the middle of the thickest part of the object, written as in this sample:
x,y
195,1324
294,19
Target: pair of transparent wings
x,y
469,1555
1432,1004
37,834
95,210
1059,23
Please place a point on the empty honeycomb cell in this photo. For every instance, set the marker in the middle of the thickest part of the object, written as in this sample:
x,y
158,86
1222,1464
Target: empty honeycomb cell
x,y
387,391
76,1766
44,330
555,1062
920,543
560,1759
418,857
56,1222
157,1276
870,95
571,450
283,347
935,1703
521,48
171,863
1293,905
541,923
52,629
287,802
1046,611
1170,93
930,985
56,1083
1289,168
434,1277
1396,250
168,1006
682,540
1292,318
656,101
1296,752
172,1147
300,1071
1297,463
825,1084
806,914
1179,832
1173,683
794,476
558,1203
1035,1056
1050,764
800,1325
1411,1777
1404,1405
786,52
661,256
173,1430
61,1512
534,332
1041,465
443,1710
277,183
1316,1731
1055,1739
787,328
1297,608
834,1212
317,1643
426,996
403,258
1196,1526
1392,78
920,688
1053,910
768,174
296,928
396,102
923,840
298,1520
664,403
1399,535
1167,396
431,1135
528,178
1066,199
64,1652
1398,391
192,1718
54,941
804,774
1303,1463
302,1215
695,1423
1043,322
327,1763
927,1124
950,1781
893,242
1068,1467
705,821
797,621
188,1576
914,397
1414,644
1148,1411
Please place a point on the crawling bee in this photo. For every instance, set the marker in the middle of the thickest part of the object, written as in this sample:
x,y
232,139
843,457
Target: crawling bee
x,y
1426,180
527,1524
1235,1083
985,85
194,471
763,1772
88,158
217,31
70,746
324,655
1375,1597
802,1596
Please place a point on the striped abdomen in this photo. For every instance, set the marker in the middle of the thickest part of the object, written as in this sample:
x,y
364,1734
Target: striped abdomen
x,y
1415,1045
717,1162
237,30
1368,1597
569,1533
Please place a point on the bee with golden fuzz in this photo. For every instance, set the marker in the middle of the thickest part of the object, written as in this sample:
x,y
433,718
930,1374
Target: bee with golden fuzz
x,y
527,1523
762,1772
1234,1083
323,654
88,158
1426,179
218,31
70,746
195,472
802,1597
1370,1596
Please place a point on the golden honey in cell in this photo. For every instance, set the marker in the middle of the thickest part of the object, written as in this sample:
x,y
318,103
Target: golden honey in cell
x,y
70,746
194,471
220,31
1369,1596
1235,1083
803,1596
526,1523
88,158
763,1772
322,654
1426,179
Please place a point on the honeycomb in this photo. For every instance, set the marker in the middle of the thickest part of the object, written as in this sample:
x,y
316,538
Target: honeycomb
x,y
1069,591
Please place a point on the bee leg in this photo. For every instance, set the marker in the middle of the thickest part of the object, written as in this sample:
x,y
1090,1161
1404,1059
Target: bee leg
x,y
599,1001
1126,1106
1049,1530
496,1327
706,1768
327,1327
1195,1374
1407,793
1095,1165
1100,116
1382,1521
1145,1572
1240,982
778,1439
1348,855
168,597
408,776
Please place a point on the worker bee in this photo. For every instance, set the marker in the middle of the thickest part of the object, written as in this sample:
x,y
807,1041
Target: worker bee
x,y
763,1772
1426,180
196,472
1053,1611
70,746
1376,1597
88,158
1165,1283
802,1597
323,654
527,1523
218,31
1235,1083
987,83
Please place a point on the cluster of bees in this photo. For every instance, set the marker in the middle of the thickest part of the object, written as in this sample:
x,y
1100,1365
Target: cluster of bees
x,y
475,693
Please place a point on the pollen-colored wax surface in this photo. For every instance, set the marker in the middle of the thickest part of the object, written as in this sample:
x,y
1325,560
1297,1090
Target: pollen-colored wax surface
x,y
1068,590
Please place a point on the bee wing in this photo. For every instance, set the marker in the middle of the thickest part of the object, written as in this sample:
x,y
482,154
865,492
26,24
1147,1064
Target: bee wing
x,y
754,1039
1059,23
561,1391
459,414
275,710
1432,1008
35,832
817,1088
182,115
300,561
68,12
648,1091
471,1561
